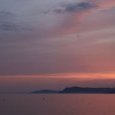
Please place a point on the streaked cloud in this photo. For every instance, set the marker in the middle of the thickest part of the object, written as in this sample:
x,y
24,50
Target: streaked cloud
x,y
8,22
57,36
79,12
75,7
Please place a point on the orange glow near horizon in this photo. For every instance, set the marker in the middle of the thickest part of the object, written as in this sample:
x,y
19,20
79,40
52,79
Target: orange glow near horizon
x,y
27,83
67,75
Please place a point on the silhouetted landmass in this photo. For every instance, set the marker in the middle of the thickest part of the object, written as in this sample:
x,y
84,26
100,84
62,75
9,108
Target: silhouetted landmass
x,y
79,90
87,90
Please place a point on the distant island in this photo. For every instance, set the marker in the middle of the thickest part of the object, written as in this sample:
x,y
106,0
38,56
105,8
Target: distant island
x,y
76,90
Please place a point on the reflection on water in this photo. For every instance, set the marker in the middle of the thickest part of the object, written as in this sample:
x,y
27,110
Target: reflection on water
x,y
57,104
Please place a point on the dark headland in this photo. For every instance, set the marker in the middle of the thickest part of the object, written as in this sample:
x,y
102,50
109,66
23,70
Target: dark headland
x,y
77,90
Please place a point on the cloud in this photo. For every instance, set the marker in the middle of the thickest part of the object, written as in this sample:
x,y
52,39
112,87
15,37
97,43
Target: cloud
x,y
76,13
8,22
9,27
22,51
80,6
75,7
6,15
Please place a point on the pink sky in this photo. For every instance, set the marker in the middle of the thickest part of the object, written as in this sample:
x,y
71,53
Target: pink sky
x,y
64,38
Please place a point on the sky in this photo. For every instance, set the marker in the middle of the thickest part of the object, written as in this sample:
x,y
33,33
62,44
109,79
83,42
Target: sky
x,y
57,37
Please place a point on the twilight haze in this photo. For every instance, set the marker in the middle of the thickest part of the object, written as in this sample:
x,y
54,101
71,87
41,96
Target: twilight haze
x,y
73,38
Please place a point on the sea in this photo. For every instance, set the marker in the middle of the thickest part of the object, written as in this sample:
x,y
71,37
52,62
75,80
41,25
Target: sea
x,y
57,104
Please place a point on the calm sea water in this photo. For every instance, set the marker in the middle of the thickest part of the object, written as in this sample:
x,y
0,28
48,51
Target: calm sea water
x,y
57,104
